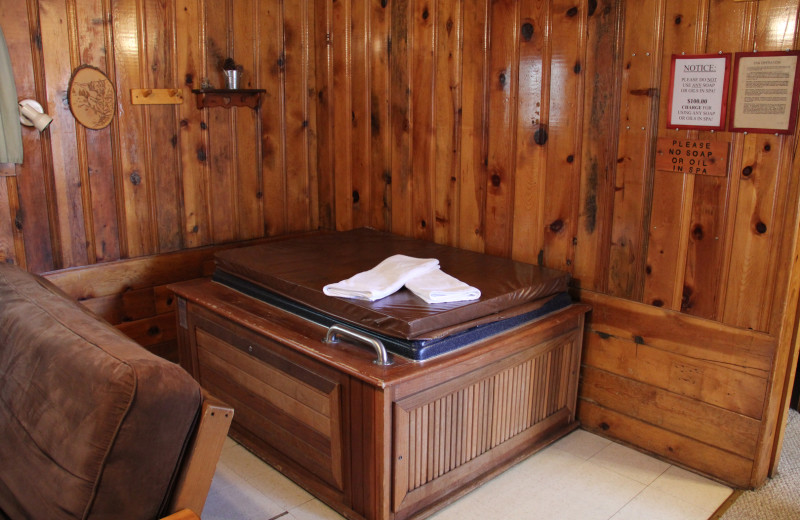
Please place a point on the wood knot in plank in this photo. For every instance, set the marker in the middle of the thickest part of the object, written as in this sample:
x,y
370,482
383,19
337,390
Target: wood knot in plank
x,y
527,31
540,135
375,124
686,298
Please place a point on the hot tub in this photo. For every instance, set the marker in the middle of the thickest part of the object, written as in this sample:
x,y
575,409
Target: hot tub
x,y
291,274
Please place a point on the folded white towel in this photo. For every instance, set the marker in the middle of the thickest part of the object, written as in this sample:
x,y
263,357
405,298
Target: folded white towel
x,y
383,279
439,287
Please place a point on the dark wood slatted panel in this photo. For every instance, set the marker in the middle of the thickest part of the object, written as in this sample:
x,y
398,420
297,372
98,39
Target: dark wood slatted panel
x,y
284,410
449,432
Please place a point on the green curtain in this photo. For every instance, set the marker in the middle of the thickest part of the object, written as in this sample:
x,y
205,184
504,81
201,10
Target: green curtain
x,y
10,129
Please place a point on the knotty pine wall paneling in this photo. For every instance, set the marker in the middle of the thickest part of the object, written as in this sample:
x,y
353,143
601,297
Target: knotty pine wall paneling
x,y
192,135
705,236
96,147
564,137
532,109
59,41
447,103
360,121
600,126
136,176
273,156
667,243
701,247
222,137
25,235
401,118
501,88
471,182
161,134
638,107
513,127
422,35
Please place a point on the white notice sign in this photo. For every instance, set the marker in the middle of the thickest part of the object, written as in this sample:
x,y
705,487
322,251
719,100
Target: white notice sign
x,y
698,91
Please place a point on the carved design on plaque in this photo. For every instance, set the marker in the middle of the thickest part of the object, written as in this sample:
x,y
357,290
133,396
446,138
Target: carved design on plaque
x,y
92,99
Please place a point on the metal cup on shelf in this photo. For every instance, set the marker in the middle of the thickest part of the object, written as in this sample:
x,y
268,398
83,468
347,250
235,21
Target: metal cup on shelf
x,y
232,79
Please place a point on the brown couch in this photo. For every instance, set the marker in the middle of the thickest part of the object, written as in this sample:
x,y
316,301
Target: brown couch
x,y
92,425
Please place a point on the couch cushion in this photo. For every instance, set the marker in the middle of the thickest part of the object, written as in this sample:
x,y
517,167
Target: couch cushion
x,y
92,424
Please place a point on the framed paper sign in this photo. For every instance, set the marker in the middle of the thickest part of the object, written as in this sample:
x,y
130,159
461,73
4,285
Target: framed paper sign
x,y
698,92
765,86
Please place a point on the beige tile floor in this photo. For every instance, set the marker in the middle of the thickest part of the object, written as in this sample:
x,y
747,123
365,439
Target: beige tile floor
x,y
582,477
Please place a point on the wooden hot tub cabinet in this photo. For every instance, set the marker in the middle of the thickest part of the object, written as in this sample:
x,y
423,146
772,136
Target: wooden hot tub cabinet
x,y
378,442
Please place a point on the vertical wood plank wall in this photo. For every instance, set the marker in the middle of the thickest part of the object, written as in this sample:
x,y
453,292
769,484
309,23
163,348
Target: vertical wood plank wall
x,y
518,128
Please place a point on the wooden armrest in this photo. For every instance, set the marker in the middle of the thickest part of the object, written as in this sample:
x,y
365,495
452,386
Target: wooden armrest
x,y
183,514
202,454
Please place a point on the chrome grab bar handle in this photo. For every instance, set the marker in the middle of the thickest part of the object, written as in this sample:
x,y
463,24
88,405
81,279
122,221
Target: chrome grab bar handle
x,y
380,350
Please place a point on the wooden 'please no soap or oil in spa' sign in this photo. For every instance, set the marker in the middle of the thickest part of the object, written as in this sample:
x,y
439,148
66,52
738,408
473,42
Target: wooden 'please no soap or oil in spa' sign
x,y
693,156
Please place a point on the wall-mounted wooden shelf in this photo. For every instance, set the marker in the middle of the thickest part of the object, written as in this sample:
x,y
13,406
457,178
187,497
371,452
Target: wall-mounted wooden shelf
x,y
226,98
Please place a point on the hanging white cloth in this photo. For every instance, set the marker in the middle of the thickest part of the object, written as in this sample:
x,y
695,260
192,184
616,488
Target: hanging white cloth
x,y
10,129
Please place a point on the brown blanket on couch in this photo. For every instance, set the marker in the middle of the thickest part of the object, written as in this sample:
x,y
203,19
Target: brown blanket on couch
x,y
91,424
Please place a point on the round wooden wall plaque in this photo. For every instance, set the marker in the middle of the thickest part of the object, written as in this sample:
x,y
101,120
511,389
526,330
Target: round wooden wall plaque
x,y
92,99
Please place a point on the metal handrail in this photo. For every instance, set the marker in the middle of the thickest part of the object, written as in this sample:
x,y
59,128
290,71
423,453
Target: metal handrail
x,y
380,350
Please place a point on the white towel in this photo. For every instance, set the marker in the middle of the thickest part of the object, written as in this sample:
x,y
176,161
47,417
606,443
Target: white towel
x,y
383,279
439,287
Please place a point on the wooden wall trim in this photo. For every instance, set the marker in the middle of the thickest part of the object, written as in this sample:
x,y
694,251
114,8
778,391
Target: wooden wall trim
x,y
786,320
132,294
751,351
674,447
114,278
644,371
